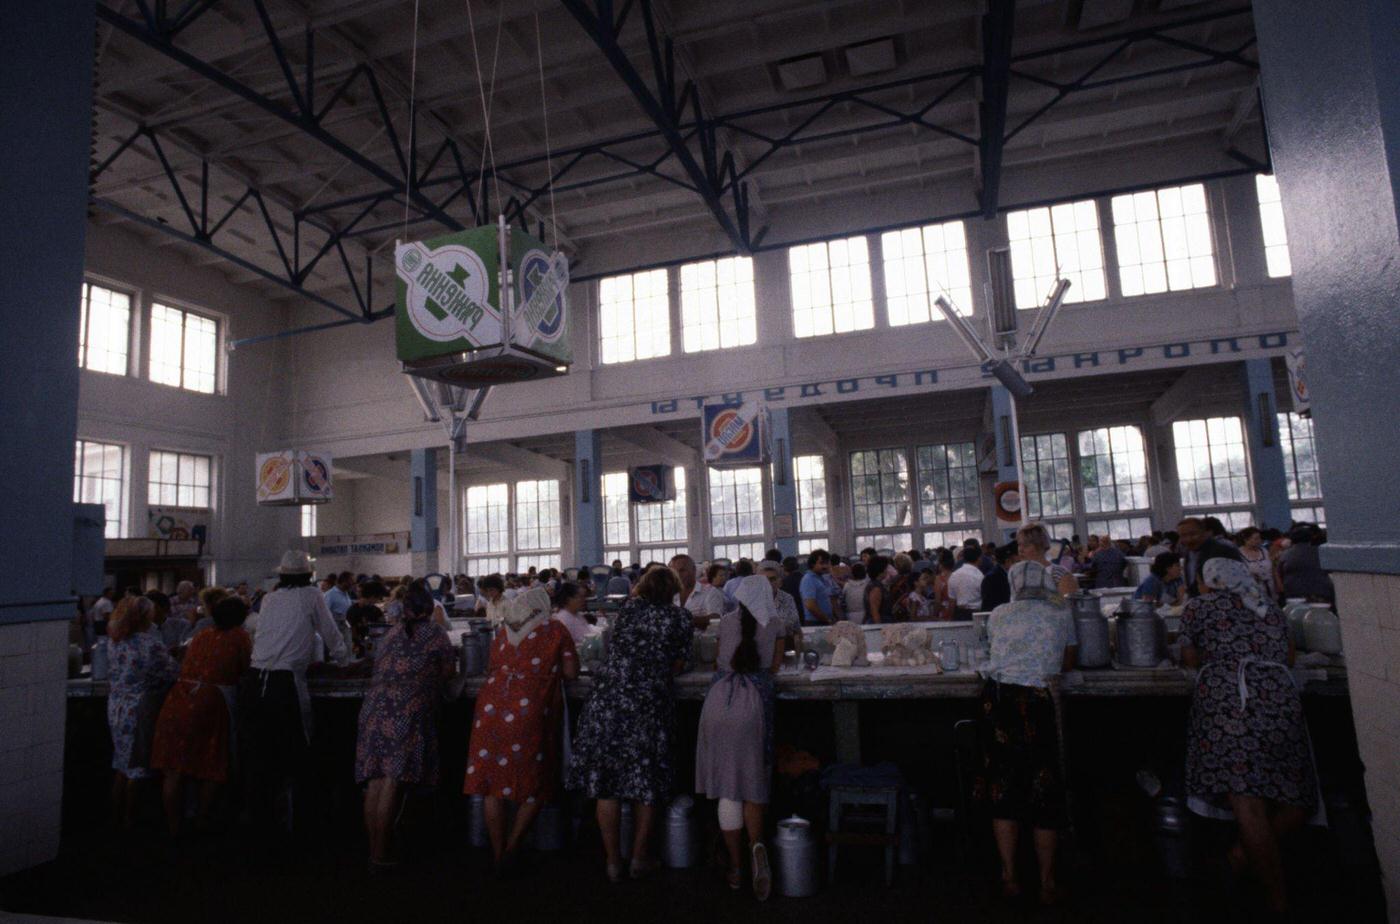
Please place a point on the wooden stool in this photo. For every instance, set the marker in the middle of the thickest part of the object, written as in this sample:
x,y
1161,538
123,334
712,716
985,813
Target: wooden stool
x,y
886,797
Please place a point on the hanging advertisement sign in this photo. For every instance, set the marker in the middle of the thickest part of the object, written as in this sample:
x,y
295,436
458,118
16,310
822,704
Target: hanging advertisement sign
x,y
735,434
452,321
650,484
1298,381
292,477
1008,501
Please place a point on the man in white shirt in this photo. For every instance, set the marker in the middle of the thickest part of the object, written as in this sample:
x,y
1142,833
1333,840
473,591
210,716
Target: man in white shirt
x,y
274,704
965,584
703,602
102,609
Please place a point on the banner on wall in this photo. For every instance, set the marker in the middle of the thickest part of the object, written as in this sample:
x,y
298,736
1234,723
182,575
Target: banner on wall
x,y
374,544
178,523
1298,382
650,484
294,476
735,434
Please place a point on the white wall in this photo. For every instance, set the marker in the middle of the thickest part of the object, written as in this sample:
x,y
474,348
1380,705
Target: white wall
x,y
248,417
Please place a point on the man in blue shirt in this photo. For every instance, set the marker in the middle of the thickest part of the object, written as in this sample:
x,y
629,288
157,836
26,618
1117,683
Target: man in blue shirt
x,y
338,597
818,589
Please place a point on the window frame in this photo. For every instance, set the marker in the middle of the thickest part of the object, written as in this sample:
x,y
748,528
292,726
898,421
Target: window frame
x,y
716,513
694,328
1214,502
673,512
123,480
1025,247
133,311
1289,441
153,485
855,306
1273,266
186,311
1129,231
909,495
812,520
953,523
516,556
897,271
661,331
308,513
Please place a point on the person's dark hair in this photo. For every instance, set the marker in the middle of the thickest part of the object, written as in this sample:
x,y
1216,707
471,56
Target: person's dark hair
x,y
972,554
743,568
1213,526
230,613
659,586
565,592
747,659
161,601
1243,535
418,605
492,582
1172,536
1271,534
879,564
1004,553
345,577
818,555
1163,563
790,564
868,550
946,560
293,580
715,569
374,590
773,555
858,571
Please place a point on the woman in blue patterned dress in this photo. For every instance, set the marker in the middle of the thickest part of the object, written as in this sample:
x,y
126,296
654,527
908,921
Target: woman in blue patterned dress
x,y
622,750
1247,753
141,672
398,723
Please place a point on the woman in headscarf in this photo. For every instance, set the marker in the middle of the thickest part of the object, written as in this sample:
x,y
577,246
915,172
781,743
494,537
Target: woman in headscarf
x,y
140,673
623,747
397,744
1247,752
196,722
734,749
1033,640
516,732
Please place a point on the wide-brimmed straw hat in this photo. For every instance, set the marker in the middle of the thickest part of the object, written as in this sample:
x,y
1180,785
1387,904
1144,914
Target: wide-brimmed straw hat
x,y
295,561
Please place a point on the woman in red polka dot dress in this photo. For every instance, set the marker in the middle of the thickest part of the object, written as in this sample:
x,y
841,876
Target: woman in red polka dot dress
x,y
516,731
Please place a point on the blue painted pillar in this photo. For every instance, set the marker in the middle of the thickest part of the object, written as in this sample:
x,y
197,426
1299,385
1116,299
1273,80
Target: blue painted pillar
x,y
1008,451
1271,507
588,498
784,484
423,521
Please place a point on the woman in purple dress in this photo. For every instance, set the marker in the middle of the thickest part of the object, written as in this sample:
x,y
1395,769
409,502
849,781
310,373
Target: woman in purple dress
x,y
398,723
141,672
1247,752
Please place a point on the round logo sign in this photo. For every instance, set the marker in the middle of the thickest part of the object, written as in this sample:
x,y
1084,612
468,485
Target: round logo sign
x,y
274,476
1008,501
315,475
535,269
731,431
644,482
447,294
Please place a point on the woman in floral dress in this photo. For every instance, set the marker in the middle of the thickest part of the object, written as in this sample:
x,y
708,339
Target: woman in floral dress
x,y
623,746
140,673
397,742
514,752
192,735
1247,752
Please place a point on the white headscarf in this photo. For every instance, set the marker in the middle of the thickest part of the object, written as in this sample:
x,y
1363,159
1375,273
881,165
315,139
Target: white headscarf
x,y
1032,580
524,612
1233,577
756,594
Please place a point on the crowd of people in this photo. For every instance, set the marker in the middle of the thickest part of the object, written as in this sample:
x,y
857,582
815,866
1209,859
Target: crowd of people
x,y
185,672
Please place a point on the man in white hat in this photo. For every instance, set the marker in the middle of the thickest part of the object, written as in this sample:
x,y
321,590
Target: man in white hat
x,y
274,702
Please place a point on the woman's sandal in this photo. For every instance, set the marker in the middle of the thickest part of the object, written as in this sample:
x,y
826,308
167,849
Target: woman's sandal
x,y
734,878
614,873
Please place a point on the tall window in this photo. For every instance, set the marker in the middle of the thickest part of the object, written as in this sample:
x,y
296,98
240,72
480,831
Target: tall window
x,y
736,503
950,538
617,520
831,287
488,528
1271,219
104,337
1163,239
179,479
880,489
1210,462
1300,466
734,551
920,265
809,477
717,304
308,520
897,542
1064,236
1113,470
537,516
537,560
660,553
1049,492
664,523
184,349
949,485
99,477
634,315
1120,527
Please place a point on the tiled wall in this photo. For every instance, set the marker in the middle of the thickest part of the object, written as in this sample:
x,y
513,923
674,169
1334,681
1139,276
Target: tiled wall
x,y
33,679
1370,608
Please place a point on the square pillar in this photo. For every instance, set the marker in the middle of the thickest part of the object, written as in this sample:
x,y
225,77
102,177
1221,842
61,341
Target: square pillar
x,y
1271,508
588,498
423,517
784,485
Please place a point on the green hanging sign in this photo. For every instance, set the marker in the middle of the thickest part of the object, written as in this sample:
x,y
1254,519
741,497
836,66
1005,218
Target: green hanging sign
x,y
449,298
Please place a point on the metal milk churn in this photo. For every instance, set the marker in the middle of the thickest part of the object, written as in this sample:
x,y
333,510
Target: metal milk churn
x,y
795,849
1092,630
681,848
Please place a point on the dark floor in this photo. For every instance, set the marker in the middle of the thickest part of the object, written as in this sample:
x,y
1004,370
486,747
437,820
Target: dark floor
x,y
1114,868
